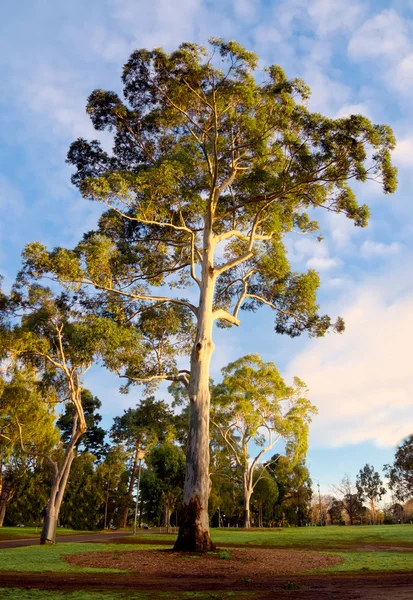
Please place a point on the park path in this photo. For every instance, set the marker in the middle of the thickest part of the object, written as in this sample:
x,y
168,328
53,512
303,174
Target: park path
x,y
81,537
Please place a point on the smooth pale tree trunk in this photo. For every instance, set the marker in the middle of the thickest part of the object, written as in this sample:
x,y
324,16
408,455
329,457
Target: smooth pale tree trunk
x,y
167,514
194,530
246,493
124,517
48,535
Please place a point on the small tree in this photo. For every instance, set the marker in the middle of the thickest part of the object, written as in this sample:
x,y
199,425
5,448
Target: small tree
x,y
253,405
167,462
347,492
93,440
212,165
265,492
294,489
400,473
370,487
139,429
26,416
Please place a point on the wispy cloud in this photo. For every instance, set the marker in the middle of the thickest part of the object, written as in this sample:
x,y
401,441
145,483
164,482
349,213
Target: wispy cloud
x,y
362,381
378,249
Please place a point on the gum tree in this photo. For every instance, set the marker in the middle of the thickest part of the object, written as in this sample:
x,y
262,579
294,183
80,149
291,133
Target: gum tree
x,y
27,429
370,487
400,473
212,165
138,430
60,345
253,406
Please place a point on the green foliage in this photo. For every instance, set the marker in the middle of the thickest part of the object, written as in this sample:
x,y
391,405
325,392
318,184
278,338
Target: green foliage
x,y
253,397
93,441
202,147
151,421
167,462
83,508
400,473
27,413
294,491
369,484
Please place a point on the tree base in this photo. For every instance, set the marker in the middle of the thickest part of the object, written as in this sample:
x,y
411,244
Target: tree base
x,y
193,534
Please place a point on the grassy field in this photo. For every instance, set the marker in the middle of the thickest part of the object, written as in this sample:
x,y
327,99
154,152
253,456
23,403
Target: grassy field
x,y
17,533
309,537
344,541
48,559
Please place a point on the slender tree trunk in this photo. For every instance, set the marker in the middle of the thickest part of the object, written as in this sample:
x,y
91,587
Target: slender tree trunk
x,y
167,514
48,534
246,492
7,493
194,530
125,512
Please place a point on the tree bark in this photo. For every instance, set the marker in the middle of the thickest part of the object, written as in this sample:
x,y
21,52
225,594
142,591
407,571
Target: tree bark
x,y
7,493
48,534
194,530
246,492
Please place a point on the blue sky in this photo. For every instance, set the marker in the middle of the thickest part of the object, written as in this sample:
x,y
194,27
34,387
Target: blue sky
x,y
357,56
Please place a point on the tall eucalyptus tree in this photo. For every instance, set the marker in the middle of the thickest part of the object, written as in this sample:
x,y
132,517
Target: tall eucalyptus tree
x,y
212,166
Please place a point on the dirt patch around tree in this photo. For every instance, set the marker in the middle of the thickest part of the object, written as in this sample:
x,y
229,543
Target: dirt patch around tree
x,y
240,563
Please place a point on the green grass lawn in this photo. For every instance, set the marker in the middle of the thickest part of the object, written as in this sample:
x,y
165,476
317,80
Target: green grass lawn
x,y
373,561
48,559
16,533
309,537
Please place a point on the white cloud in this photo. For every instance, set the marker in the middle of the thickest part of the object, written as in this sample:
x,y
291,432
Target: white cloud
x,y
321,264
383,35
403,154
362,381
402,77
333,15
378,249
352,109
315,254
160,23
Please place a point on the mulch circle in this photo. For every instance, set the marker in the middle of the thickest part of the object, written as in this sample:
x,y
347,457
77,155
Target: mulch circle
x,y
242,563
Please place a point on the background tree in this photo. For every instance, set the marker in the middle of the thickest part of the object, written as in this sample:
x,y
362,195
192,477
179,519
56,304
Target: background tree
x,y
294,490
167,463
335,511
347,492
207,162
400,473
93,440
61,345
27,415
114,477
370,487
265,492
253,405
139,429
